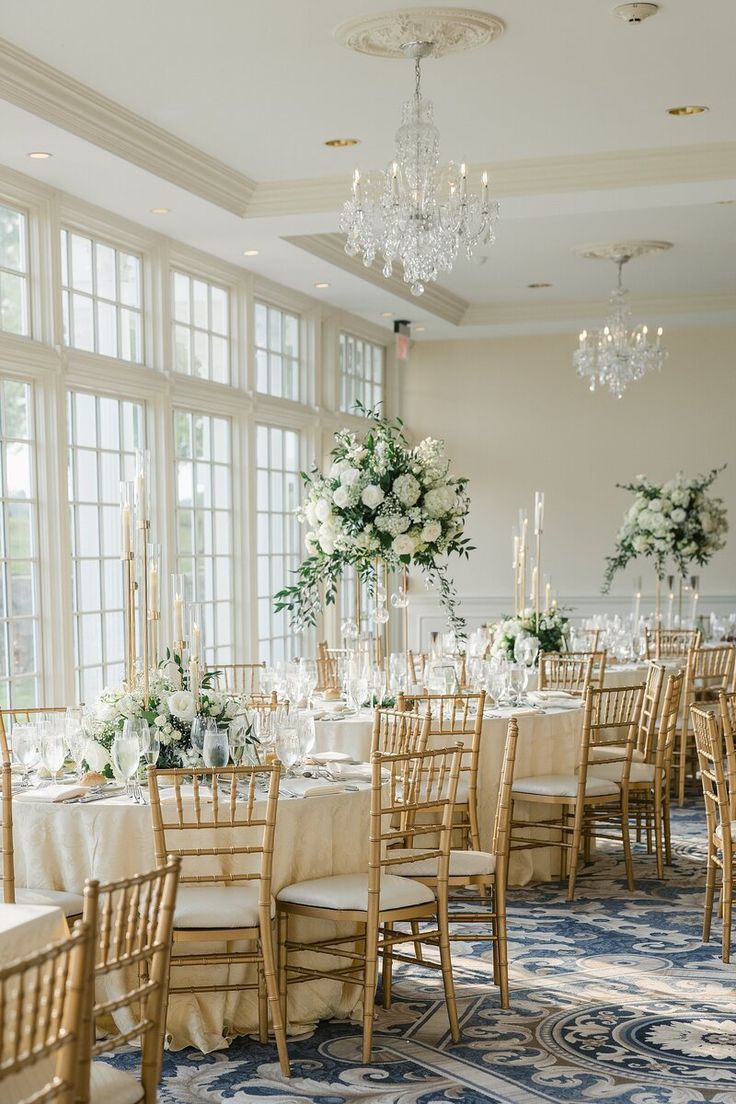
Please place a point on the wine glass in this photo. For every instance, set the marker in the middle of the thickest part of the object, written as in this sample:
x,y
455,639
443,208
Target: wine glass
x,y
154,746
52,746
74,736
526,650
518,675
25,749
397,672
216,748
378,684
199,727
307,734
286,745
126,756
358,689
308,672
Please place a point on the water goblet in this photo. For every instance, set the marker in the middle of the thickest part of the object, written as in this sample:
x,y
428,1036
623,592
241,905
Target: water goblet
x,y
53,749
74,736
153,750
199,727
126,756
25,750
216,748
518,674
308,671
286,745
307,735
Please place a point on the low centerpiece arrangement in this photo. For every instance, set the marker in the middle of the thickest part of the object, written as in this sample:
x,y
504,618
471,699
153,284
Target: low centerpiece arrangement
x,y
169,707
677,520
547,631
383,504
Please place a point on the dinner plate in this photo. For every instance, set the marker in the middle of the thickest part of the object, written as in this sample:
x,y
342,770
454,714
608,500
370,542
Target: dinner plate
x,y
331,757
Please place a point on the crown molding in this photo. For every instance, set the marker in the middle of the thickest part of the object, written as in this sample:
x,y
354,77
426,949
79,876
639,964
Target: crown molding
x,y
534,176
31,84
571,310
331,248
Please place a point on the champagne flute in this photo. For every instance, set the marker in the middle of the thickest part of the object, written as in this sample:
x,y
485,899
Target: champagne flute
x,y
199,727
126,756
154,747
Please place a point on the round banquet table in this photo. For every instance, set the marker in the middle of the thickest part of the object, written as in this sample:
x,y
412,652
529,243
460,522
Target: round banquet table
x,y
60,845
24,930
548,744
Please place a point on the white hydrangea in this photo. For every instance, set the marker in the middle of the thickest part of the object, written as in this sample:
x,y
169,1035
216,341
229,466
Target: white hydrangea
x,y
372,496
439,501
407,489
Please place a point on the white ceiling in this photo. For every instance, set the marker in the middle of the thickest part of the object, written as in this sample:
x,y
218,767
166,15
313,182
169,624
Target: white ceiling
x,y
260,87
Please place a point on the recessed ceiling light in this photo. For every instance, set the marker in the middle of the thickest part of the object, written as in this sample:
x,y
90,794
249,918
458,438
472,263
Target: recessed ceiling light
x,y
387,314
341,143
725,202
250,252
160,210
539,285
39,155
322,284
419,329
688,109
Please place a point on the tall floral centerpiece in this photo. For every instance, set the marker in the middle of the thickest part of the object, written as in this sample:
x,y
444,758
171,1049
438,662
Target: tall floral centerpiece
x,y
677,520
382,501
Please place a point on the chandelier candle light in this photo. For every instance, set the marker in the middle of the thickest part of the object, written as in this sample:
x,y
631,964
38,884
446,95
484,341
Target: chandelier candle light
x,y
412,213
619,353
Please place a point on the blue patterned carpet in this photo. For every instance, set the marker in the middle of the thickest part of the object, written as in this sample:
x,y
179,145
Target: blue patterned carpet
x,y
614,998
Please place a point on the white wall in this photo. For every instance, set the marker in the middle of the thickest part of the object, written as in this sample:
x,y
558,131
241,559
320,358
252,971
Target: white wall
x,y
516,419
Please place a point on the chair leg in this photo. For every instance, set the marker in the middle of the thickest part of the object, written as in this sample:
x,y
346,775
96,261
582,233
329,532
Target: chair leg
x,y
682,765
369,993
387,969
282,924
575,849
666,805
649,825
628,861
417,942
710,889
658,844
446,963
262,1007
272,985
727,905
499,900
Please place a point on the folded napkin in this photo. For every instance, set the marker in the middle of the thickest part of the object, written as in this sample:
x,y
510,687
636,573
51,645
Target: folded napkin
x,y
346,772
52,793
541,695
321,789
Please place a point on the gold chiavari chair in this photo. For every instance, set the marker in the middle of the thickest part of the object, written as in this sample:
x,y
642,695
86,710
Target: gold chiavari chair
x,y
718,791
398,732
128,975
234,902
417,800
240,678
727,703
707,673
670,643
479,871
328,670
457,717
589,802
42,1003
70,903
565,671
416,667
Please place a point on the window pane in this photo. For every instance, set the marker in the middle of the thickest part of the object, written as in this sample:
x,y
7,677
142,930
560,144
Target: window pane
x,y
278,354
204,531
200,328
12,239
19,624
107,337
13,303
96,467
361,372
105,266
81,263
103,313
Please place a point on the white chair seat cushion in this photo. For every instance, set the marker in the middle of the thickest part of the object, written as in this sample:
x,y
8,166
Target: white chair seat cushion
x,y
563,785
113,1086
613,751
350,892
213,906
70,903
731,828
640,772
463,864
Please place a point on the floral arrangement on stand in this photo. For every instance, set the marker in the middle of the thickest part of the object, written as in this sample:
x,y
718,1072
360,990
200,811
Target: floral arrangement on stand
x,y
382,502
170,706
676,520
551,634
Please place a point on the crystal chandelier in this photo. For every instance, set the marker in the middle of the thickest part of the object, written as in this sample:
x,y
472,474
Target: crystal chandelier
x,y
619,353
412,213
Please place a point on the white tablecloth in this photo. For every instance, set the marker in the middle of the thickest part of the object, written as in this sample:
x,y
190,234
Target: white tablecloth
x,y
59,846
548,744
25,929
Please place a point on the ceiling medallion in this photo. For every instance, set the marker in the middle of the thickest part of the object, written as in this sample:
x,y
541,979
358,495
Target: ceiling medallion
x,y
447,30
618,354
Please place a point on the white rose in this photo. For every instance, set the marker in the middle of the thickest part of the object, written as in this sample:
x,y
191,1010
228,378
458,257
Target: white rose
x,y
431,532
310,513
160,721
403,545
655,505
678,515
640,544
372,496
322,509
182,705
127,706
105,711
341,497
96,756
311,543
326,537
338,468
173,674
350,476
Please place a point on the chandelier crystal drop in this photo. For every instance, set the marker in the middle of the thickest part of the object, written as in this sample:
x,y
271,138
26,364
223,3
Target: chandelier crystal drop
x,y
412,213
619,353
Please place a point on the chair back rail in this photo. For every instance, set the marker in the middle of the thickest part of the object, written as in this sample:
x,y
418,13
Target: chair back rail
x,y
502,820
570,671
670,643
606,711
650,710
667,732
244,678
